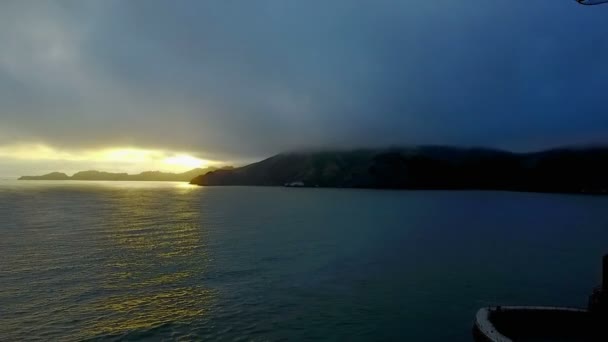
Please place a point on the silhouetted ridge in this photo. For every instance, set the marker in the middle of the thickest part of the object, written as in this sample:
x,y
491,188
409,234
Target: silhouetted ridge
x,y
428,167
48,176
110,176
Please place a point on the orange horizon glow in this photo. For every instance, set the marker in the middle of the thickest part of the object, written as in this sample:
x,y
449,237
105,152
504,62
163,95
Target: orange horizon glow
x,y
110,158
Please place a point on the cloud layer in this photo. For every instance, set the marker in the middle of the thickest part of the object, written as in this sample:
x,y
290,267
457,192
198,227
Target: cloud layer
x,y
239,80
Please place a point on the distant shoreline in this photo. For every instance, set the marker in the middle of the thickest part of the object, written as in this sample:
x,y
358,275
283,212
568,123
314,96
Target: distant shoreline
x,y
597,194
93,175
561,171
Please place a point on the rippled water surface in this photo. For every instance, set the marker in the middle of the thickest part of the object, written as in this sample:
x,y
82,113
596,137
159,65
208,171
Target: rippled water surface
x,y
151,261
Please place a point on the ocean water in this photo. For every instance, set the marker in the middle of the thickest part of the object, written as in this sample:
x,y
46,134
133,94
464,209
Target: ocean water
x,y
170,261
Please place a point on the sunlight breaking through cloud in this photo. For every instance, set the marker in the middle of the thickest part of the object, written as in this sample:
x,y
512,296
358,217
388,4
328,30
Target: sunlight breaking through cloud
x,y
142,159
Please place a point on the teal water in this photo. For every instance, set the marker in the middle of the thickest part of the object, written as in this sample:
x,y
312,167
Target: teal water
x,y
153,261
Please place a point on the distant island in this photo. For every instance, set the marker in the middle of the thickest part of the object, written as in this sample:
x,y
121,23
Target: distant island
x,y
566,170
144,176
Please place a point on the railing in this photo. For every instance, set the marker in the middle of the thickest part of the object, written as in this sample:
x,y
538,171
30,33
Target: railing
x,y
591,2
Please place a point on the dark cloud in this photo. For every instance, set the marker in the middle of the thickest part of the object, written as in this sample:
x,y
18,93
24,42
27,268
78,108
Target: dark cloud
x,y
245,79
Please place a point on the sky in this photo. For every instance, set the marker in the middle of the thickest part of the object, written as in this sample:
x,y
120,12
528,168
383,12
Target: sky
x,y
168,85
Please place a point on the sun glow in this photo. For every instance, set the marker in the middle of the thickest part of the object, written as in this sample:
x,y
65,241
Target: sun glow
x,y
186,161
124,159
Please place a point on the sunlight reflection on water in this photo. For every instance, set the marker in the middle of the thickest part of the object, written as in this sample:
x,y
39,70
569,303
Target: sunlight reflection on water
x,y
142,297
145,260
142,251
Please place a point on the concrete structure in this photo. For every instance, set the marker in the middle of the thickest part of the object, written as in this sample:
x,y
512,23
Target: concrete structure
x,y
536,323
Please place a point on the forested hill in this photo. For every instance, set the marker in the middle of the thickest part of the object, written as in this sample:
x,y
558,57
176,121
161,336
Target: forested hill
x,y
575,170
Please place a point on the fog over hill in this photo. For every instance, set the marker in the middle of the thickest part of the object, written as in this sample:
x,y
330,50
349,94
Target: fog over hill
x,y
568,170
